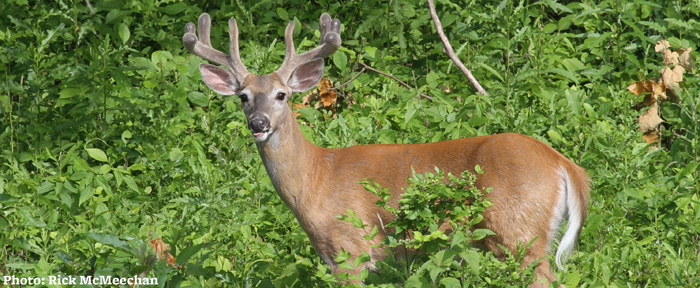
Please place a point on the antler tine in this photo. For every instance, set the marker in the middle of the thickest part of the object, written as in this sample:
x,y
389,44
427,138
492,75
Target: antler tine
x,y
329,43
235,55
202,47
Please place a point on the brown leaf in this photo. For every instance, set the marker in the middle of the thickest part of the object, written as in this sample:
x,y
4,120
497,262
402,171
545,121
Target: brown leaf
x,y
671,77
328,97
162,252
651,137
650,120
637,87
651,91
662,45
686,59
670,57
170,259
159,246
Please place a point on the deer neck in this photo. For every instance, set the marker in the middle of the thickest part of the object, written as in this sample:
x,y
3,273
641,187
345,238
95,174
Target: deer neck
x,y
293,164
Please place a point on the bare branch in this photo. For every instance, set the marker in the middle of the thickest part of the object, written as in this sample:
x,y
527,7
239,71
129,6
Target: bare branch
x,y
397,79
348,82
451,53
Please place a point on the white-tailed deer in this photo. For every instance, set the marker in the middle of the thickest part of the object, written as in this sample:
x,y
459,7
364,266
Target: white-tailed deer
x,y
534,187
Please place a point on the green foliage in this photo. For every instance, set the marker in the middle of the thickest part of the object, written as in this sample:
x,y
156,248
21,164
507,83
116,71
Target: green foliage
x,y
439,257
108,139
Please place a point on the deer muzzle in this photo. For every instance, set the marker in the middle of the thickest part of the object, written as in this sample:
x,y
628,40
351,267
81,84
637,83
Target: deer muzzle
x,y
260,126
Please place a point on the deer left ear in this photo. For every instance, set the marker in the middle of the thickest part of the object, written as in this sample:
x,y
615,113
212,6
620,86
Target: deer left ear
x,y
306,75
219,80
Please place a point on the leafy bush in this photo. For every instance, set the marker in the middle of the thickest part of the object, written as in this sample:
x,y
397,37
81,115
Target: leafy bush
x,y
436,257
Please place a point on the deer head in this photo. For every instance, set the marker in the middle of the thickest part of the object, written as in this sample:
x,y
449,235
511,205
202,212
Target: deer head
x,y
263,97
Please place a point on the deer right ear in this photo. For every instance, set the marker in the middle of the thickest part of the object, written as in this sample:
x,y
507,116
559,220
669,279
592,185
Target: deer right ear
x,y
306,76
218,79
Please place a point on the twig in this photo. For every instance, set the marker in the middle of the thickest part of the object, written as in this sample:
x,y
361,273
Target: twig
x,y
397,79
451,53
348,82
92,11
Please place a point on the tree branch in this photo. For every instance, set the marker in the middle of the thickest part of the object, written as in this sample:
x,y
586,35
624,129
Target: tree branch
x,y
451,53
348,82
397,79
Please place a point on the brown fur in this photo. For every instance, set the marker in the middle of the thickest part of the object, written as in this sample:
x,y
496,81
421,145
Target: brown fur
x,y
534,186
318,184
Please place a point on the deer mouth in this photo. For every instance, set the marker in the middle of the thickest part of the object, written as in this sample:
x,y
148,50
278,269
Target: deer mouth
x,y
261,135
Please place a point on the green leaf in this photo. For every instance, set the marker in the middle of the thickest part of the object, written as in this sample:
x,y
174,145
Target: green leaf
x,y
124,33
85,195
444,258
6,199
109,240
131,183
340,60
479,234
559,8
473,259
187,253
432,79
126,135
371,52
565,73
491,71
554,135
97,154
198,98
69,92
417,280
174,9
282,14
450,282
176,154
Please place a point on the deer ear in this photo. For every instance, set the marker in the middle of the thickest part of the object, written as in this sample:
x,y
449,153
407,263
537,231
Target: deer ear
x,y
306,75
218,79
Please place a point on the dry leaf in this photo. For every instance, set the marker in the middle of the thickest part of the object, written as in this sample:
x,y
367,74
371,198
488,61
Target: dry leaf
x,y
651,91
651,137
170,259
671,77
324,97
162,252
159,246
650,120
670,57
328,97
662,45
686,59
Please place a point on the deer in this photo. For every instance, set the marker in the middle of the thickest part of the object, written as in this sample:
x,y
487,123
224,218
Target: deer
x,y
534,188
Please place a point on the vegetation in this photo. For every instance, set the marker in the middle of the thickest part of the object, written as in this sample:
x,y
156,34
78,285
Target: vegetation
x,y
111,146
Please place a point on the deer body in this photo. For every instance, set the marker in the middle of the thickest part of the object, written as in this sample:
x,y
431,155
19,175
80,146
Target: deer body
x,y
534,186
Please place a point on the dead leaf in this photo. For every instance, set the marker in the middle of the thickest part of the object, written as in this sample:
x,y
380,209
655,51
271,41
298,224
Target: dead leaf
x,y
671,77
670,57
328,96
159,246
162,252
662,45
686,59
170,260
651,90
651,137
650,120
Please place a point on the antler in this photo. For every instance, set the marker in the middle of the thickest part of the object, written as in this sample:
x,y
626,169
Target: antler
x,y
330,41
203,48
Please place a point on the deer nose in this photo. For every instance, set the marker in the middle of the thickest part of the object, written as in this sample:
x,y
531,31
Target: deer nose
x,y
261,124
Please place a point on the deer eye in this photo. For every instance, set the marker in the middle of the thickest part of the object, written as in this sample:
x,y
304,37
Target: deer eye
x,y
280,96
244,97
